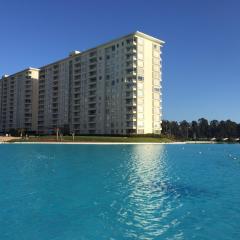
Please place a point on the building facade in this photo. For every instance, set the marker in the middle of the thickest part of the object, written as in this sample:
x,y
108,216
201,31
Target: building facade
x,y
19,101
54,94
114,88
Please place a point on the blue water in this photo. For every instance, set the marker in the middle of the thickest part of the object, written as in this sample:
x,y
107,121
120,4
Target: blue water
x,y
73,192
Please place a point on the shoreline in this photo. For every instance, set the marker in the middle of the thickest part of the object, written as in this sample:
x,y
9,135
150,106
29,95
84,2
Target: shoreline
x,y
112,143
92,141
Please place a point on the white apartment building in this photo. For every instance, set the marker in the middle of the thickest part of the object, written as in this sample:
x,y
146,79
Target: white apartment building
x,y
114,88
19,101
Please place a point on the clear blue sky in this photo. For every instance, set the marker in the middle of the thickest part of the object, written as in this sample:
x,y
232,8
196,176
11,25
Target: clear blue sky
x,y
201,58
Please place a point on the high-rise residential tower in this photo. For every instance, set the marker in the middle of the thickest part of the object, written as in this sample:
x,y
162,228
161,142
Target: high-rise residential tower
x,y
114,88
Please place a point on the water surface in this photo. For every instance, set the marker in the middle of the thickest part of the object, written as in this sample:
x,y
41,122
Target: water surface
x,y
73,192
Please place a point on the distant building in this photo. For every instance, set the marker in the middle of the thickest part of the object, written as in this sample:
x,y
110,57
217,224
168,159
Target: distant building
x,y
19,101
114,88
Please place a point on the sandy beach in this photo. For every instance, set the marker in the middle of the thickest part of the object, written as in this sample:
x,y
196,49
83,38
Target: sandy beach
x,y
4,139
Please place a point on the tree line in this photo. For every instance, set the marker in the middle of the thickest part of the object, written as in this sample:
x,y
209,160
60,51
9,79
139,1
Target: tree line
x,y
202,129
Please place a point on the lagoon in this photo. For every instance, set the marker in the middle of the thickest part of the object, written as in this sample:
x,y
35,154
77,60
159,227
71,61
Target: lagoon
x,y
58,192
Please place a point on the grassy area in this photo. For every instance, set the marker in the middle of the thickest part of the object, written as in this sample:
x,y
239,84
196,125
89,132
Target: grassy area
x,y
137,139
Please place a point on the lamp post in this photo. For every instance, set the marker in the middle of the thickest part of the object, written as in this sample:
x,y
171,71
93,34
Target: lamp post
x,y
73,136
57,132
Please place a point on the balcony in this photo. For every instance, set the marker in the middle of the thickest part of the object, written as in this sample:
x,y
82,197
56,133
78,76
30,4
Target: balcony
x,y
131,72
92,119
131,118
93,54
76,96
131,125
55,100
55,83
76,114
131,95
132,41
76,102
40,113
93,80
76,120
132,61
92,100
131,110
77,90
28,120
92,67
92,125
55,106
77,83
131,80
92,106
130,87
55,89
28,125
92,73
92,112
54,115
40,118
132,49
92,86
131,102
28,115
56,66
42,87
76,126
92,93
42,76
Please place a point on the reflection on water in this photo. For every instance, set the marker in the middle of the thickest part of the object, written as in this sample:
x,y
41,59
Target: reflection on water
x,y
148,201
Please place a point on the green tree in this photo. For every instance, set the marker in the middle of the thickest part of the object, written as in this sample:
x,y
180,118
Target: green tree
x,y
203,128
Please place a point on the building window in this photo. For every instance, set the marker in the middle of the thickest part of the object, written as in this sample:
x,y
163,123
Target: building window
x,y
140,63
156,54
155,68
140,85
140,93
140,56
